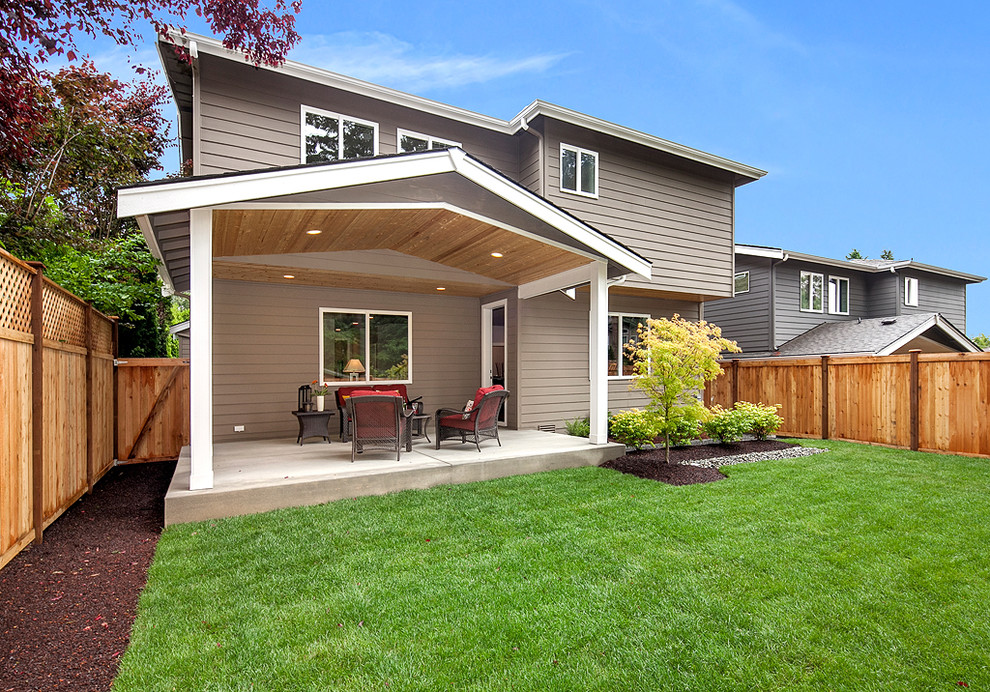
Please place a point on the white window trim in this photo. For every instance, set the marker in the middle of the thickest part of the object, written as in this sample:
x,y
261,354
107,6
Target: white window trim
x,y
367,346
811,294
622,352
430,140
735,278
577,179
304,109
828,296
911,297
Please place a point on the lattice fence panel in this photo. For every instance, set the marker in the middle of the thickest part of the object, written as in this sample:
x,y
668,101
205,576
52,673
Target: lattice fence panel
x,y
102,335
65,316
15,296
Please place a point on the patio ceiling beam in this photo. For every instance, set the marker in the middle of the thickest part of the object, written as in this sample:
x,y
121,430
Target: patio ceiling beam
x,y
559,282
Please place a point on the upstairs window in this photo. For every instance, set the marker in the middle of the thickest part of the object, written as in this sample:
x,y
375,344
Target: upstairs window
x,y
741,283
838,295
910,291
812,288
621,330
414,141
330,136
578,171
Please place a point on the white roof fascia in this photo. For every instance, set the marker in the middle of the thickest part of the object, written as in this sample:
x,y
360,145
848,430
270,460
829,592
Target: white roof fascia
x,y
251,187
213,191
531,203
934,320
844,264
573,117
756,251
144,223
911,264
211,46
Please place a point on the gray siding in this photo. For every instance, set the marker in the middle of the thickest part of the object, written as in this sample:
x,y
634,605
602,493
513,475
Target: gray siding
x,y
935,294
680,220
250,119
790,320
884,295
554,381
745,318
266,344
511,352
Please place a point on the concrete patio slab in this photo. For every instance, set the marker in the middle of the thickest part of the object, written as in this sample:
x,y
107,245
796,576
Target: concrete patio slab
x,y
261,475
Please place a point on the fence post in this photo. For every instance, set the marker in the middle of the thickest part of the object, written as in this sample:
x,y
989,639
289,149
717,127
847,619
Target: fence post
x,y
825,398
90,432
735,382
38,398
914,394
115,352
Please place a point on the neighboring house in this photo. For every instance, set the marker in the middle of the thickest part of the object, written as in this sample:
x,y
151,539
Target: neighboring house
x,y
791,303
180,332
330,220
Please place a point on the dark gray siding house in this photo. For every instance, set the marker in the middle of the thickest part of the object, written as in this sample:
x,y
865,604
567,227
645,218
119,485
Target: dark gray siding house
x,y
521,250
782,295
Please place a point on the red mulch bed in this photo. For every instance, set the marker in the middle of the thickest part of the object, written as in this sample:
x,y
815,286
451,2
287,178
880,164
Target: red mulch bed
x,y
650,464
69,603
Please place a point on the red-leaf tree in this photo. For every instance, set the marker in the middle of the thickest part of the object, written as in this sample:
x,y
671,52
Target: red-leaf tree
x,y
33,31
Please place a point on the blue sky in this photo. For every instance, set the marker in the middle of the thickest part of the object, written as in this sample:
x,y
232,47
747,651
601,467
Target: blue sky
x,y
870,118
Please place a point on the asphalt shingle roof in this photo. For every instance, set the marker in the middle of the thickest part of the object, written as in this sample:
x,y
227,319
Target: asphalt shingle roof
x,y
854,336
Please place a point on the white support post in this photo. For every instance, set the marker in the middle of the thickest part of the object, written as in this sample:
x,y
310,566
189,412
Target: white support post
x,y
201,348
598,347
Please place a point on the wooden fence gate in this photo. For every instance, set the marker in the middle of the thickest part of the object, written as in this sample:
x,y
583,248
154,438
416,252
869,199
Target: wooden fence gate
x,y
152,408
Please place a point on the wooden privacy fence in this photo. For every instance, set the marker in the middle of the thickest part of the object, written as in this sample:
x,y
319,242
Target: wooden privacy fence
x,y
56,393
930,402
152,408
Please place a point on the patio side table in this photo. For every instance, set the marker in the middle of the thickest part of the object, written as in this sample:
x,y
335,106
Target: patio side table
x,y
420,427
313,424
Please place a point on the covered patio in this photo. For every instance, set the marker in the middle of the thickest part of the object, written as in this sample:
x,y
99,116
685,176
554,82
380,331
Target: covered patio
x,y
268,257
262,475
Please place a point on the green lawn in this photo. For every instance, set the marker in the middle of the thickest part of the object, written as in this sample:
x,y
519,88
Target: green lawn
x,y
863,568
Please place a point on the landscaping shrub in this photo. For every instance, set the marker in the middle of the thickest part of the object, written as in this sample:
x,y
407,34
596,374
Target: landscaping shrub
x,y
635,428
579,427
726,426
762,420
684,427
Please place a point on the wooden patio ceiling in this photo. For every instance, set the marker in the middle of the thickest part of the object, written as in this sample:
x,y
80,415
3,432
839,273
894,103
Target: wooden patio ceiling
x,y
436,235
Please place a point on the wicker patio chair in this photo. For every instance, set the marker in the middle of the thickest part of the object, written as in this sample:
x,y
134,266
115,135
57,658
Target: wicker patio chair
x,y
379,421
481,422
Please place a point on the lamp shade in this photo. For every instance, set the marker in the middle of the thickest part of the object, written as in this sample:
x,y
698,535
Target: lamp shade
x,y
353,365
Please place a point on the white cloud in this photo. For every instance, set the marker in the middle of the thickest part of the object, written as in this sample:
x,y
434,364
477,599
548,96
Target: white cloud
x,y
385,59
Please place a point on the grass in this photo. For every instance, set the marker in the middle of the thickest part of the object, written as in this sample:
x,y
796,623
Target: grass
x,y
864,568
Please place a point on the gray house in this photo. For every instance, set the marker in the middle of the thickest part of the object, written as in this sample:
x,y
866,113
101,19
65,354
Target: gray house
x,y
330,220
791,303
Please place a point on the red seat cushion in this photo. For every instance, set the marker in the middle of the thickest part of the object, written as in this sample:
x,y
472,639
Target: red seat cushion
x,y
457,422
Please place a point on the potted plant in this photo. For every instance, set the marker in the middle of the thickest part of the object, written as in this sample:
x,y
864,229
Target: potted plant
x,y
320,390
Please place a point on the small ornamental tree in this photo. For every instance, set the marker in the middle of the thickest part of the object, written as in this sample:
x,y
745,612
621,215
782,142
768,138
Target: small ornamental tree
x,y
673,360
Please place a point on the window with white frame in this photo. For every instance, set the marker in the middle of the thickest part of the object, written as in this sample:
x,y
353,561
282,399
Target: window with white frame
x,y
623,329
911,291
414,141
330,136
838,295
812,289
741,283
363,346
578,171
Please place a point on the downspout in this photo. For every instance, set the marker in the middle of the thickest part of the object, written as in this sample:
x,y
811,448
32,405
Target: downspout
x,y
773,301
540,158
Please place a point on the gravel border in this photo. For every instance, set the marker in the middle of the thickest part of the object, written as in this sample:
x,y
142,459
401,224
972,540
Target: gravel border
x,y
716,462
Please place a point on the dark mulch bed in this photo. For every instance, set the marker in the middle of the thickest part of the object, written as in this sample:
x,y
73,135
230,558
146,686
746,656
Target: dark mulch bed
x,y
68,604
650,464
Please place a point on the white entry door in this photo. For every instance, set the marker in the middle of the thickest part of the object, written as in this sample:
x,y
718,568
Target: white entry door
x,y
494,337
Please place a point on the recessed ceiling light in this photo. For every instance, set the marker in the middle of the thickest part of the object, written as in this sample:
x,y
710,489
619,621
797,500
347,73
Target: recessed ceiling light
x,y
497,254
288,276
315,231
441,288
